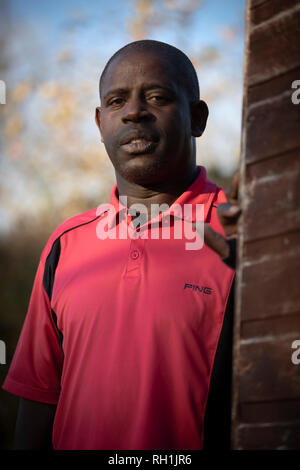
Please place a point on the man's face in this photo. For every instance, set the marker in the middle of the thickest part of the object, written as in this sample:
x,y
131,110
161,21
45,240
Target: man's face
x,y
145,119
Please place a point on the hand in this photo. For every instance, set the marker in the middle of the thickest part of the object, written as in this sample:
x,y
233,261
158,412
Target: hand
x,y
228,214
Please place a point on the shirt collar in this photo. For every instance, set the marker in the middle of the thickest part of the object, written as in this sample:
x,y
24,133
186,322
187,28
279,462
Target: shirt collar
x,y
199,192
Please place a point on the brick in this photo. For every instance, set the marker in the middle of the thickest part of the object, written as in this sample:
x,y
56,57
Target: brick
x,y
265,10
274,47
266,437
271,288
266,372
273,87
277,165
271,205
255,3
254,251
270,412
273,326
272,127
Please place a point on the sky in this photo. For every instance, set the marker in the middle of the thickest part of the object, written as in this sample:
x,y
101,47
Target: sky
x,y
97,17
68,43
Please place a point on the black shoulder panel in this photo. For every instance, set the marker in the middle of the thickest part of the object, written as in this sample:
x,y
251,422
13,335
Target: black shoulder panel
x,y
48,281
53,258
50,267
49,275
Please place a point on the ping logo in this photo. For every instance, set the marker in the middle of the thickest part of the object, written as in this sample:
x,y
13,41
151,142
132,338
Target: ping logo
x,y
203,289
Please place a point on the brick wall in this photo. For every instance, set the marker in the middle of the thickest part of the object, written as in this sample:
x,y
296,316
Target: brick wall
x,y
266,397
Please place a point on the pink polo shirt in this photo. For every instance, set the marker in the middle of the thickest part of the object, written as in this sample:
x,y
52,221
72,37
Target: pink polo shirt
x,y
121,333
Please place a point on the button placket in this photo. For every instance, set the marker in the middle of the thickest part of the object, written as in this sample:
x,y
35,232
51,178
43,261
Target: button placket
x,y
135,256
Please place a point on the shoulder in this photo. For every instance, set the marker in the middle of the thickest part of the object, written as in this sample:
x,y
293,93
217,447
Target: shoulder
x,y
69,224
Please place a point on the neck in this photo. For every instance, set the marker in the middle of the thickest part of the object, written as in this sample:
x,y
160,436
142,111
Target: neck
x,y
163,193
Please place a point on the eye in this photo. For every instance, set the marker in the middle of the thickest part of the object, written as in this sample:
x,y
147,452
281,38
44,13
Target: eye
x,y
158,99
115,101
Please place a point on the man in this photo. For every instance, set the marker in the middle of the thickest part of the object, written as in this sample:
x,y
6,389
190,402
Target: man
x,y
119,345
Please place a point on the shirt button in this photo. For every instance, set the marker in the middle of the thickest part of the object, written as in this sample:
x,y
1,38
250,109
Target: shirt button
x,y
135,254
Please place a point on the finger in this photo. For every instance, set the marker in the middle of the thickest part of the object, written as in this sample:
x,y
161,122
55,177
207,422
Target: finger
x,y
228,215
226,249
232,193
215,241
228,210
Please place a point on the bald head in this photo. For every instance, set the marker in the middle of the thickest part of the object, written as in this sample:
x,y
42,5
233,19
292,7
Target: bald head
x,y
183,68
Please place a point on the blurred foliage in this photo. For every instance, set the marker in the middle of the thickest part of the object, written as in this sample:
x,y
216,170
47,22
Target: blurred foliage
x,y
51,158
19,259
152,14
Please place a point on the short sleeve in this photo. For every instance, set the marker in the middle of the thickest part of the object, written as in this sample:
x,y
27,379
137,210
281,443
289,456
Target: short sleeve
x,y
36,366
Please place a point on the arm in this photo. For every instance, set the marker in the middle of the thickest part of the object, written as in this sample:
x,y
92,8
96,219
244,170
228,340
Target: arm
x,y
228,214
34,425
36,367
217,423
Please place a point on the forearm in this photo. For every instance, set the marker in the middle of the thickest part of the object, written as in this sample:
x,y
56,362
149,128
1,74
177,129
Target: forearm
x,y
34,425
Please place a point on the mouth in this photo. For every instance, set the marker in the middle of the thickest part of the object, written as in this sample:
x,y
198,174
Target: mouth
x,y
139,143
137,146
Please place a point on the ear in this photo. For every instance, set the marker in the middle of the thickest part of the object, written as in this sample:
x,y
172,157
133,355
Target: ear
x,y
199,115
98,121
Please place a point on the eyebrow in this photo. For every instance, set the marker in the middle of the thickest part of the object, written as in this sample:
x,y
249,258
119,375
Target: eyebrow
x,y
150,86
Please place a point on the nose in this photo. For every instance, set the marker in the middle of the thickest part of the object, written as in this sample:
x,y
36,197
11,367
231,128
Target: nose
x,y
136,110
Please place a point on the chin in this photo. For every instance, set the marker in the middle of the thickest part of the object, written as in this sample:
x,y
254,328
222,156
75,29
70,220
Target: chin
x,y
144,169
